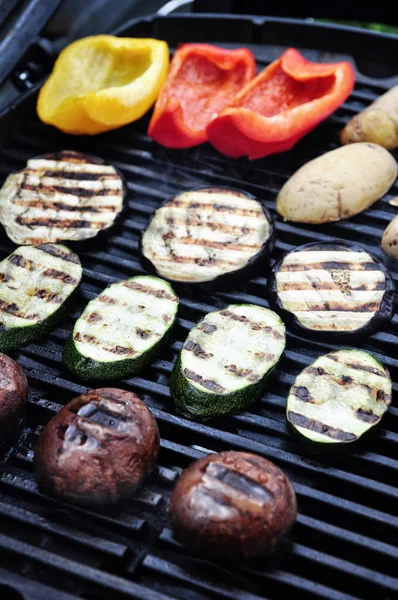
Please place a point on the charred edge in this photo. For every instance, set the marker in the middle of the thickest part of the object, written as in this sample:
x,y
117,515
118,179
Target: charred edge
x,y
207,328
49,296
316,371
107,299
60,223
14,309
145,289
367,415
303,394
81,176
246,373
61,275
358,367
206,383
24,263
93,317
331,266
4,277
91,339
59,253
383,397
71,191
143,333
197,350
240,483
102,416
319,427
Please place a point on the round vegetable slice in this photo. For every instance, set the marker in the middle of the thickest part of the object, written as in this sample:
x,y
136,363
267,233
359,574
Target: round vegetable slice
x,y
35,282
122,329
226,360
339,397
333,287
62,196
207,233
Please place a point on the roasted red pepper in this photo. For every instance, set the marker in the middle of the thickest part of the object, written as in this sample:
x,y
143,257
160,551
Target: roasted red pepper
x,y
202,80
281,105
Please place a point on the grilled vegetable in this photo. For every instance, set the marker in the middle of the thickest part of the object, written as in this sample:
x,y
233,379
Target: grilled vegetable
x,y
337,185
233,505
207,233
35,281
61,196
339,397
13,396
226,360
122,330
378,123
333,287
389,242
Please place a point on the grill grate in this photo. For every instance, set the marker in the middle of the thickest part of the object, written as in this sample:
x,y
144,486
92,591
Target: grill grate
x,y
344,544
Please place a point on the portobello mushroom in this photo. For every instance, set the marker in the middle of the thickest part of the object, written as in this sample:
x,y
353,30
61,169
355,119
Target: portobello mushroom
x,y
62,196
122,330
208,233
226,360
335,288
35,282
13,396
339,397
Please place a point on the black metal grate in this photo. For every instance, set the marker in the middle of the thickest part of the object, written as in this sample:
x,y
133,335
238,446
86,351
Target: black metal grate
x,y
344,545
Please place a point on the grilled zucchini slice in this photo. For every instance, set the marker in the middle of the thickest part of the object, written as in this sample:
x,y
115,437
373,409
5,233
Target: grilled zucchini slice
x,y
35,282
226,360
208,233
61,196
121,330
339,397
335,288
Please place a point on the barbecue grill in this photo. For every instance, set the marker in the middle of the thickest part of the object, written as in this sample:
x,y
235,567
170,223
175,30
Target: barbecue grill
x,y
344,545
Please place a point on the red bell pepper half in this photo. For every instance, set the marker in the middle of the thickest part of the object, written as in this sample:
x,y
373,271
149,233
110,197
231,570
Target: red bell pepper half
x,y
202,80
280,106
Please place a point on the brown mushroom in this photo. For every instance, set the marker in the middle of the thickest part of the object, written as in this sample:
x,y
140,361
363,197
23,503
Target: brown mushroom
x,y
233,505
13,395
98,448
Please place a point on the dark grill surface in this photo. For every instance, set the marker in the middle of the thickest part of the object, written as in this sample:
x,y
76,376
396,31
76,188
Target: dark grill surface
x,y
344,545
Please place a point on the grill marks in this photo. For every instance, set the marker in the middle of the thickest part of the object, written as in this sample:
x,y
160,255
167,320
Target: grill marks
x,y
339,397
348,285
218,354
218,232
61,276
36,202
126,320
59,252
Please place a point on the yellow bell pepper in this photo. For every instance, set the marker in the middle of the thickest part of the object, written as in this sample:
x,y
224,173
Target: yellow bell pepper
x,y
103,82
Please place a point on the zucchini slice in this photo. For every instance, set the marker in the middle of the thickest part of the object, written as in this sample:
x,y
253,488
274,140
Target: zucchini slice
x,y
339,397
35,282
121,330
207,233
225,361
334,287
61,196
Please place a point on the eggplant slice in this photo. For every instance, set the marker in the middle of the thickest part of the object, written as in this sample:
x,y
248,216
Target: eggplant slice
x,y
207,233
61,196
334,287
339,397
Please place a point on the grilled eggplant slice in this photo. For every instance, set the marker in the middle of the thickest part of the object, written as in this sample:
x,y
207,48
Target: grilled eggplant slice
x,y
35,282
121,331
226,360
335,288
61,196
207,233
339,397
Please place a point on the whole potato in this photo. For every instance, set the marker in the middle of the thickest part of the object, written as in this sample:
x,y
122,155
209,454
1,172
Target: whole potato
x,y
389,243
378,123
338,184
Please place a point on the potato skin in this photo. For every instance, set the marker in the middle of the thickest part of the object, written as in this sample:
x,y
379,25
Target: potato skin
x,y
378,123
98,448
389,242
337,185
214,509
13,395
